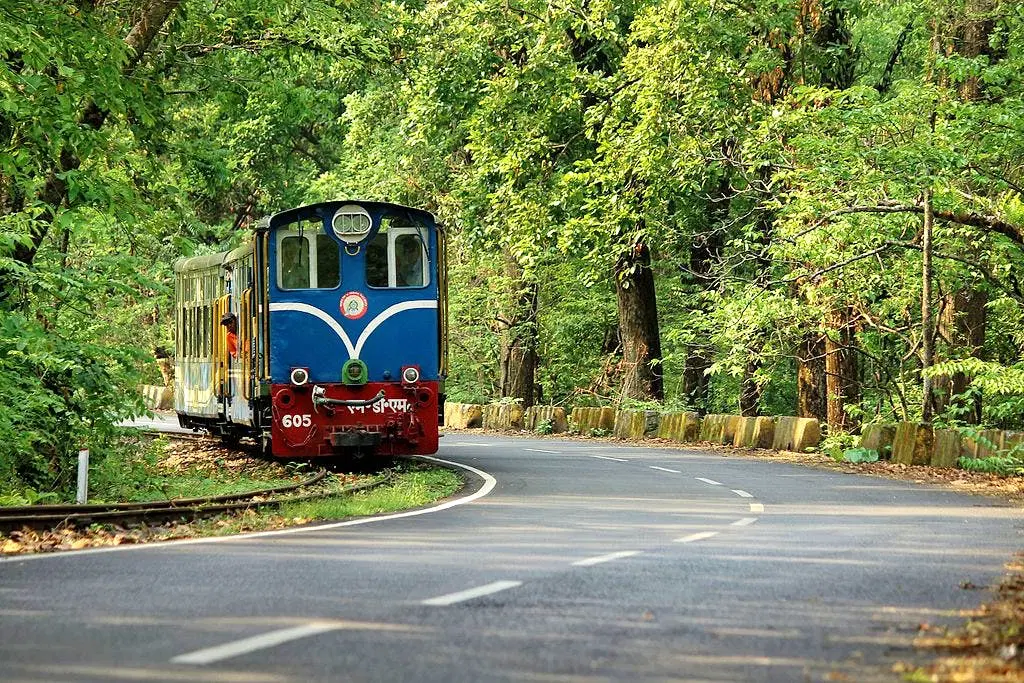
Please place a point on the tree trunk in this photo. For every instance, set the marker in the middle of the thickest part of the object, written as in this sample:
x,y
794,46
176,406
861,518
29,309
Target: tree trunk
x,y
841,371
962,323
927,328
962,327
519,341
704,257
810,378
638,325
750,390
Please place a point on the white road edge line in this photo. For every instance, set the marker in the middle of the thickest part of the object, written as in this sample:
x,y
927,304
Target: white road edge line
x,y
699,536
246,645
742,494
746,521
540,450
606,457
756,507
664,469
600,559
489,483
470,593
709,481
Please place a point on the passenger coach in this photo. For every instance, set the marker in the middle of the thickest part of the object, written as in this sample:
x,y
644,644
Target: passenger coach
x,y
324,335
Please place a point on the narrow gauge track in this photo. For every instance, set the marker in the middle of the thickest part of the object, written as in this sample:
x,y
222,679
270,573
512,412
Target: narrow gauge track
x,y
50,516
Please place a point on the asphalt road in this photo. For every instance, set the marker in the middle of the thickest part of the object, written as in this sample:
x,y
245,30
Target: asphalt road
x,y
584,561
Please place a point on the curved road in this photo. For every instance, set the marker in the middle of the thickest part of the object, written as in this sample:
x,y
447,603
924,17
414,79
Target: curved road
x,y
586,562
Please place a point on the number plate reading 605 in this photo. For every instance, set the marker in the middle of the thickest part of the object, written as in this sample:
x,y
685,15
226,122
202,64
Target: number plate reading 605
x,y
296,420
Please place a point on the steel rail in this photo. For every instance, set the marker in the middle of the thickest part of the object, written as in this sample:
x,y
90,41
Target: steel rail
x,y
49,516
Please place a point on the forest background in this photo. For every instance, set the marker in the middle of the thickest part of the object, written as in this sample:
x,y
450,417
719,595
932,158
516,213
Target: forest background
x,y
803,207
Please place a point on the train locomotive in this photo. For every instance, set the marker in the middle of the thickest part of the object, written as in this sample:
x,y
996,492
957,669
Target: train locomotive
x,y
324,335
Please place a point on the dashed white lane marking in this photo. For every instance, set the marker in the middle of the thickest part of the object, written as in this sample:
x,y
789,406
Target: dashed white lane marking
x,y
247,645
699,536
489,484
746,521
742,494
540,450
709,481
590,561
664,469
606,457
470,593
756,507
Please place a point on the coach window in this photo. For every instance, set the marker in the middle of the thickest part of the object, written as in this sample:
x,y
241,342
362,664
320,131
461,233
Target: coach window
x,y
397,256
307,259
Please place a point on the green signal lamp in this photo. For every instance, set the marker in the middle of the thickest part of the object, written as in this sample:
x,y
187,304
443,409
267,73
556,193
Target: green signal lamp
x,y
354,373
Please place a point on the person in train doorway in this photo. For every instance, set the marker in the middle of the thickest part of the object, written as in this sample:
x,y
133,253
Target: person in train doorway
x,y
231,323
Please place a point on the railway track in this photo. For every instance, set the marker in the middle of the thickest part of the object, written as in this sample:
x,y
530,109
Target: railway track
x,y
52,516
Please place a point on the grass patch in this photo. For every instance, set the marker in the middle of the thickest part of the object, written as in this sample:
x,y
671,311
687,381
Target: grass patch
x,y
414,485
410,489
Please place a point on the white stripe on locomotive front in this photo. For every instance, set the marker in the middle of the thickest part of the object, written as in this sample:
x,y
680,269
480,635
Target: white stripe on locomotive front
x,y
354,351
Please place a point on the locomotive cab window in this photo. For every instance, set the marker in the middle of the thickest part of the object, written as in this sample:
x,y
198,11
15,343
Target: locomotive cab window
x,y
397,256
307,259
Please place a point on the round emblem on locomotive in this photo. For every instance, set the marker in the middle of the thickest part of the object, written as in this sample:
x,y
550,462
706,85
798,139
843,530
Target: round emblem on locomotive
x,y
353,305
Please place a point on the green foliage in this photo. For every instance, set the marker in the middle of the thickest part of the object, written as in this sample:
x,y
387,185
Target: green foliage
x,y
858,455
838,444
545,427
996,464
68,395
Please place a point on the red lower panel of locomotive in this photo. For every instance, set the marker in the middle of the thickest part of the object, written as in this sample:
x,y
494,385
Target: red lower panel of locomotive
x,y
383,418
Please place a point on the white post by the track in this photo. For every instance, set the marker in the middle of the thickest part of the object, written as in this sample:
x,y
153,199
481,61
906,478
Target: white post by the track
x,y
83,477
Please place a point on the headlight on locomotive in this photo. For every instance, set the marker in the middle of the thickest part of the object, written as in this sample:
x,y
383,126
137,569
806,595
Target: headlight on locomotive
x,y
299,376
410,375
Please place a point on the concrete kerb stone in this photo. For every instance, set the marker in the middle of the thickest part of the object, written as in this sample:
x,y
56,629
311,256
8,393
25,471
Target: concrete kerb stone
x,y
629,424
712,428
945,448
536,415
463,415
503,416
782,439
764,432
587,420
744,432
682,427
912,444
806,434
878,437
157,397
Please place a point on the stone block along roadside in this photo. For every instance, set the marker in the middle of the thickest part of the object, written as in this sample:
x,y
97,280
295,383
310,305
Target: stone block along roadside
x,y
636,424
586,420
912,444
463,415
796,434
536,415
680,427
879,438
157,397
755,432
503,416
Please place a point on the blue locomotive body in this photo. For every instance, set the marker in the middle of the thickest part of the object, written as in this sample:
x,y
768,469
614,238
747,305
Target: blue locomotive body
x,y
340,310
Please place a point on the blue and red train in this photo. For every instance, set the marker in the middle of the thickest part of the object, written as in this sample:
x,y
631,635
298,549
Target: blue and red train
x,y
325,335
